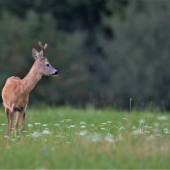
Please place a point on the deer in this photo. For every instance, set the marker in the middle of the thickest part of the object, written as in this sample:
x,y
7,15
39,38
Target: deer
x,y
15,93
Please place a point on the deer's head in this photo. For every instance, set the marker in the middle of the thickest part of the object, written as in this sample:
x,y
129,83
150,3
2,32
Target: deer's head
x,y
42,64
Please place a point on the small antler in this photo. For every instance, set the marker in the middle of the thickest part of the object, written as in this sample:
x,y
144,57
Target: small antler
x,y
43,48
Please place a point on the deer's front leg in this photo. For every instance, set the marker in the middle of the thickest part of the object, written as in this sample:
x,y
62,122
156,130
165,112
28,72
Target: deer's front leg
x,y
22,119
16,123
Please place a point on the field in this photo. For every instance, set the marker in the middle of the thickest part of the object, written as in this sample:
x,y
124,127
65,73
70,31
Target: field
x,y
69,138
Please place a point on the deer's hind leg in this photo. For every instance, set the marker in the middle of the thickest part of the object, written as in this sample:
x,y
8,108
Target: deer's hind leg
x,y
16,123
10,116
7,115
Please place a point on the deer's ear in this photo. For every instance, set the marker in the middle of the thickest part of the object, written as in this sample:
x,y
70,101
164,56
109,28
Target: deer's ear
x,y
35,53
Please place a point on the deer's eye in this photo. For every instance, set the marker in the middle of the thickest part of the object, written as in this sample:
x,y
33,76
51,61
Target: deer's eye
x,y
47,65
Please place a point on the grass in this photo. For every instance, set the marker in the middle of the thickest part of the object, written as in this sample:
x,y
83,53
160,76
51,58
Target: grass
x,y
68,138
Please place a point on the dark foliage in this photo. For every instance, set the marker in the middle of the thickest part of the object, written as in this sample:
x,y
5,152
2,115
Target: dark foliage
x,y
106,51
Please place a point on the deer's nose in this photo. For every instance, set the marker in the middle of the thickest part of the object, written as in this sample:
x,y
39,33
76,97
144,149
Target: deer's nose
x,y
56,73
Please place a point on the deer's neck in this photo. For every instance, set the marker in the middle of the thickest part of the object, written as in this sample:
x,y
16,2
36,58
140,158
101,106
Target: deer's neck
x,y
31,80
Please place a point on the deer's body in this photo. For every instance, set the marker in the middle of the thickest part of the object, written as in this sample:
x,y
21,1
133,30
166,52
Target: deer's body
x,y
15,93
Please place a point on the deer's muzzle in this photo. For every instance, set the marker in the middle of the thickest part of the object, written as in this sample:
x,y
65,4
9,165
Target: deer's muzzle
x,y
56,73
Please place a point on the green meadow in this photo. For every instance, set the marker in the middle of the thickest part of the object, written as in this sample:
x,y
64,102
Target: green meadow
x,y
70,138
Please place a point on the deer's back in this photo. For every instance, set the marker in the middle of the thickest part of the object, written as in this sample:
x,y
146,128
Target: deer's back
x,y
13,95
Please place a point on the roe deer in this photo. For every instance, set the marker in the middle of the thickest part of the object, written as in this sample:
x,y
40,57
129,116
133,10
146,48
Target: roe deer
x,y
15,93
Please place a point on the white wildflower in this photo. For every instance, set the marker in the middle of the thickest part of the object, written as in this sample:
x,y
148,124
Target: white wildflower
x,y
30,125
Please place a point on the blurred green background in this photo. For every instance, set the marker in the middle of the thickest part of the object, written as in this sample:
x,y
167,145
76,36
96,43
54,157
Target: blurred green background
x,y
106,51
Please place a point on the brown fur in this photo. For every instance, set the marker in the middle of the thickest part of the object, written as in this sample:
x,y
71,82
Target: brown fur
x,y
15,93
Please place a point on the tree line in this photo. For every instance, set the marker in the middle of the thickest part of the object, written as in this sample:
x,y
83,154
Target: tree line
x,y
106,51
